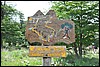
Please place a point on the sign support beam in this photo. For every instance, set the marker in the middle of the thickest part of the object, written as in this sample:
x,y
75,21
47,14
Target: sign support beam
x,y
46,61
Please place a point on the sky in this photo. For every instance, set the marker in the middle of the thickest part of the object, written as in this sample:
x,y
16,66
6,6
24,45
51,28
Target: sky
x,y
29,8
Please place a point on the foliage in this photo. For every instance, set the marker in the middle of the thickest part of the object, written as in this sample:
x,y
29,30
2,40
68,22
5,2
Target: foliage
x,y
89,59
11,30
85,14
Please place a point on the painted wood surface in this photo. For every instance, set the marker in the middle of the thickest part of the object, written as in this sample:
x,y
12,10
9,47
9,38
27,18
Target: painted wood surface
x,y
47,51
47,29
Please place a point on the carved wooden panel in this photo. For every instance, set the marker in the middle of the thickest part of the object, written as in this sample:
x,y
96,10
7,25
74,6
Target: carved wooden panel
x,y
47,29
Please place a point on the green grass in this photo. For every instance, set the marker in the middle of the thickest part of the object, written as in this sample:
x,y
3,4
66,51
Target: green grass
x,y
89,59
21,58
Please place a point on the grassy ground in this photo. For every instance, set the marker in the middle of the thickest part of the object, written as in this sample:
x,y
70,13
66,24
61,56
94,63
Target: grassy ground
x,y
21,58
89,59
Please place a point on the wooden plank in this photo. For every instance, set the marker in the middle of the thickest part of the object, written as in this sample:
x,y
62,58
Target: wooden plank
x,y
47,51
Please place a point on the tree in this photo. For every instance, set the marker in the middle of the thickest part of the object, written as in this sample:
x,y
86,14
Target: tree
x,y
85,14
10,28
21,18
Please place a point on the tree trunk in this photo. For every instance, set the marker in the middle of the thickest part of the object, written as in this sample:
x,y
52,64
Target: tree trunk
x,y
4,2
80,25
1,41
75,50
80,47
80,50
9,43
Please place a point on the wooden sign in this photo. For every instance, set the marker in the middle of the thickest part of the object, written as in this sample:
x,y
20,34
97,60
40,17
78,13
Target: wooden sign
x,y
47,51
47,29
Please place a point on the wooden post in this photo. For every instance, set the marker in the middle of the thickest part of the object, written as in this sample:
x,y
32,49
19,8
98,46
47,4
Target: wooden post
x,y
46,61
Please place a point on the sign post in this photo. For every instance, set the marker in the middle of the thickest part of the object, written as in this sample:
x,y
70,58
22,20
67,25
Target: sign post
x,y
46,61
47,29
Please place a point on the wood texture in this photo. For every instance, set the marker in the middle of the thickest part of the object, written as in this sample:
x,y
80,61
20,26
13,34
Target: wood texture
x,y
47,29
47,51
